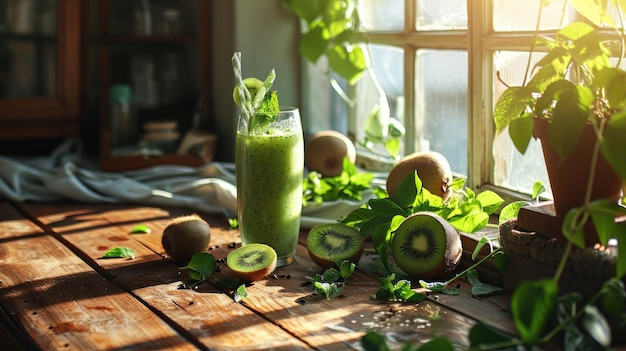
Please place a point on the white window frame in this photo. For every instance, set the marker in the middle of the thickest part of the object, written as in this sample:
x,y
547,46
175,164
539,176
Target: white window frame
x,y
481,42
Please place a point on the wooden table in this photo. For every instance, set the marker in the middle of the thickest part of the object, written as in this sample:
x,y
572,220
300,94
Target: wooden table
x,y
57,293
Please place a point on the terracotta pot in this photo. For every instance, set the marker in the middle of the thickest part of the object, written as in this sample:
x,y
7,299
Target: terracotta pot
x,y
569,176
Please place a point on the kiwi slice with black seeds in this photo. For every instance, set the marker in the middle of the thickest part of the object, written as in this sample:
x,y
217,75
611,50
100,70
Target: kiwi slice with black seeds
x,y
426,246
333,242
252,261
185,236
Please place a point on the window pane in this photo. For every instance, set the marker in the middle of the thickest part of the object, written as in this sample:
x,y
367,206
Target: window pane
x,y
441,105
441,15
522,15
388,70
379,15
512,169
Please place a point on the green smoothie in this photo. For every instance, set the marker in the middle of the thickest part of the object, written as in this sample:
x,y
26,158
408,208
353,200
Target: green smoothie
x,y
269,168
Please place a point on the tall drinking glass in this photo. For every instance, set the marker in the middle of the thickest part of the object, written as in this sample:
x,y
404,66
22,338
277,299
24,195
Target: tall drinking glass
x,y
269,169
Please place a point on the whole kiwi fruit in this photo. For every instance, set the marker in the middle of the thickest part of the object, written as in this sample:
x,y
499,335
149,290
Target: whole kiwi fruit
x,y
252,262
186,236
432,168
333,242
324,152
426,246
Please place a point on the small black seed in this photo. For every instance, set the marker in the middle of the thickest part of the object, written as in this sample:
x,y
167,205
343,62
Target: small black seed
x,y
182,286
302,301
288,276
218,269
458,286
190,303
274,276
232,245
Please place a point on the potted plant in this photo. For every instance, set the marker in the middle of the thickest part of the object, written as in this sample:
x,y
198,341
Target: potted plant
x,y
330,29
575,104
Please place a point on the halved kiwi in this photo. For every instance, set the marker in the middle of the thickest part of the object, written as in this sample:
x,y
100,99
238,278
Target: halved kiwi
x,y
186,236
252,261
426,246
252,84
333,242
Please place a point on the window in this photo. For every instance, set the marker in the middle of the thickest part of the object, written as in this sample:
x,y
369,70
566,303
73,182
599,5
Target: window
x,y
442,65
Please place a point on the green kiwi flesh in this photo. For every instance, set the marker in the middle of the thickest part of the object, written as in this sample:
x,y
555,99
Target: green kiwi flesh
x,y
185,236
426,246
252,262
333,242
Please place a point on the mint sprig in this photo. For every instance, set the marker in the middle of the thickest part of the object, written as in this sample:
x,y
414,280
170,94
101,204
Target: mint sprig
x,y
263,107
330,284
349,185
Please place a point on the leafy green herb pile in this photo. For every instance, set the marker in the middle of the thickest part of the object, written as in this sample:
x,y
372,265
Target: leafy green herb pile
x,y
349,185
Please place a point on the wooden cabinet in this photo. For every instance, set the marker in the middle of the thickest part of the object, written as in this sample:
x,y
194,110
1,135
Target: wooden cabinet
x,y
51,58
79,51
159,52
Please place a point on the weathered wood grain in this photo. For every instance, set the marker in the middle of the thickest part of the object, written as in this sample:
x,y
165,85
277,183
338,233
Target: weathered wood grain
x,y
64,304
280,311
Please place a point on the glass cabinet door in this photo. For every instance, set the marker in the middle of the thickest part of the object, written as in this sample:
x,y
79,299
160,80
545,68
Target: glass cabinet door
x,y
39,67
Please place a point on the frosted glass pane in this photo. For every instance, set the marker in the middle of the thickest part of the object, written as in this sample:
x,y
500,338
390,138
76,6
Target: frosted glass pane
x,y
388,70
512,169
380,16
441,101
441,15
522,15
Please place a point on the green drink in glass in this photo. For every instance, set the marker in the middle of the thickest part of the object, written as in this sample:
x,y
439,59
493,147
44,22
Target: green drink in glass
x,y
269,169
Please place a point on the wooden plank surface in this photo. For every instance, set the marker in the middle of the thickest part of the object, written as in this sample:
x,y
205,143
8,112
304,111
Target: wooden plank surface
x,y
206,315
64,304
279,313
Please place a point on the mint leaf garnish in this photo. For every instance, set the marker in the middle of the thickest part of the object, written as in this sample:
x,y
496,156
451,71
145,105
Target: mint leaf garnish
x,y
240,293
119,252
201,266
265,114
140,229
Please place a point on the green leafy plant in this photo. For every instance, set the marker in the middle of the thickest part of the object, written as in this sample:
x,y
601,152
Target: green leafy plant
x,y
397,291
572,87
330,283
380,217
349,185
332,29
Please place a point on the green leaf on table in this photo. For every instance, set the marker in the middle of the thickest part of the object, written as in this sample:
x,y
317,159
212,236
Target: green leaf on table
x,y
398,291
531,304
240,293
438,287
119,252
346,268
140,229
479,288
201,266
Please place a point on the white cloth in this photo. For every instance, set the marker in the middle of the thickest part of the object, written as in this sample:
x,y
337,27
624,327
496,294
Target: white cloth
x,y
210,188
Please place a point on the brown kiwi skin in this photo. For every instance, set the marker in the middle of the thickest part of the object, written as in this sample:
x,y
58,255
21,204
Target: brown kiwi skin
x,y
432,168
452,256
326,263
253,275
185,226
